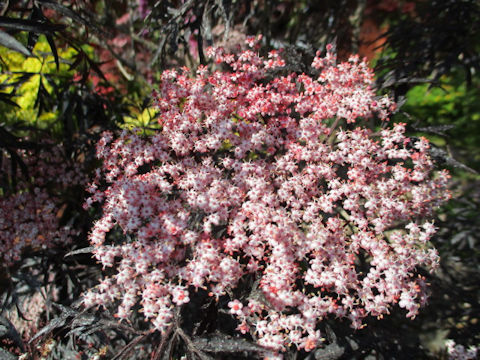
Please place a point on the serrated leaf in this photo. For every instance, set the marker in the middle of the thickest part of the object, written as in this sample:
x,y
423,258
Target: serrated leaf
x,y
66,311
8,330
438,153
35,15
22,79
436,129
32,40
83,320
129,347
94,67
29,25
79,57
81,251
78,331
330,352
4,326
92,330
10,42
55,323
225,344
51,42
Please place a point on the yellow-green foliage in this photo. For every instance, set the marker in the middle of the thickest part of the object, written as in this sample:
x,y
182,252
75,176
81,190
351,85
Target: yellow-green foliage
x,y
452,104
41,70
14,66
145,120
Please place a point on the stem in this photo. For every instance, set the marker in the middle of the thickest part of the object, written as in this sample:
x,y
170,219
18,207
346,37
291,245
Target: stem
x,y
191,346
332,134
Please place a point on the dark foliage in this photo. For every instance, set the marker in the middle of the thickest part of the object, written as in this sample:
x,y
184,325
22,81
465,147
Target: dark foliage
x,y
442,36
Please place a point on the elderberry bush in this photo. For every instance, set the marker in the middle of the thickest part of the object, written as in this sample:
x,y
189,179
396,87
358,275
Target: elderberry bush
x,y
296,181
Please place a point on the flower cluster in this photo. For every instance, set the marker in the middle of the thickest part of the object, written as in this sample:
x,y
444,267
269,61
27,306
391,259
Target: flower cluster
x,y
274,177
458,352
30,214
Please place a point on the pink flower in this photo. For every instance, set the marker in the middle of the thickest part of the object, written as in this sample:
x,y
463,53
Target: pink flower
x,y
180,296
235,307
279,179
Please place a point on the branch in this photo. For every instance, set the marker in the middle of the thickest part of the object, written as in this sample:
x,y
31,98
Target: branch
x,y
191,345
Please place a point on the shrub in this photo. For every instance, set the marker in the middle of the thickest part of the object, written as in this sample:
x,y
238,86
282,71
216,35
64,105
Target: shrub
x,y
281,178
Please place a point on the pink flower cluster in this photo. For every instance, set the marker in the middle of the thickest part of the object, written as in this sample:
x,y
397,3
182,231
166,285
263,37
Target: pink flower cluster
x,y
275,177
30,215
